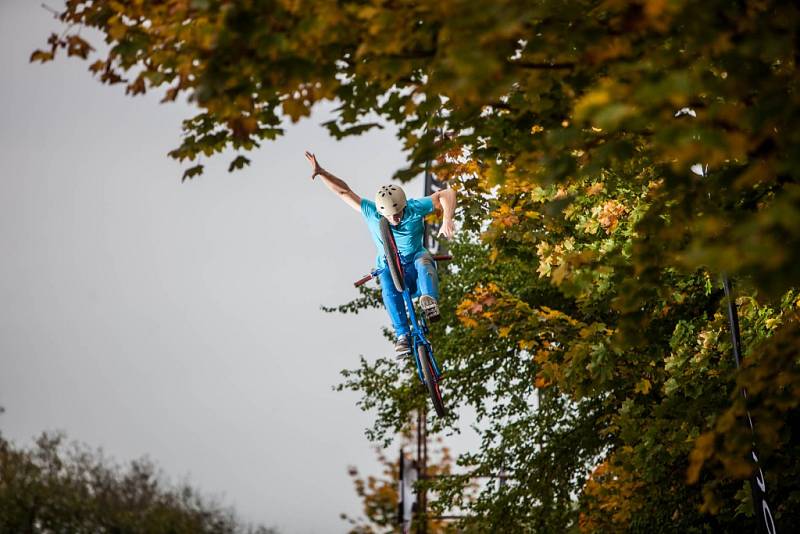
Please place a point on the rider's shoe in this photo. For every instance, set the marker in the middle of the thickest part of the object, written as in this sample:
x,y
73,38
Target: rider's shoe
x,y
403,344
429,307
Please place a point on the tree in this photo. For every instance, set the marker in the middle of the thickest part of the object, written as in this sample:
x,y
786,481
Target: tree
x,y
53,488
583,320
646,426
379,494
545,90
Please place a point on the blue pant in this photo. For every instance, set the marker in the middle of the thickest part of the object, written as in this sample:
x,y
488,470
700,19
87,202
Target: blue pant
x,y
421,279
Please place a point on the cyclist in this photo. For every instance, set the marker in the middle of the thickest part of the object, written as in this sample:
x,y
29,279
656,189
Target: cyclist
x,y
406,217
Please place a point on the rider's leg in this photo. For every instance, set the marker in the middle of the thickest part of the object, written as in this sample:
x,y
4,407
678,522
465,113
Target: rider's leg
x,y
428,282
393,301
427,278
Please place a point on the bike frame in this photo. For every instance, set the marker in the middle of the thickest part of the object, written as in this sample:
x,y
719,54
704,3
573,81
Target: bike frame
x,y
418,330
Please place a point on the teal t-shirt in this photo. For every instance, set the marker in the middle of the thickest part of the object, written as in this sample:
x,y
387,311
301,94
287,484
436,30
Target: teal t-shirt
x,y
408,234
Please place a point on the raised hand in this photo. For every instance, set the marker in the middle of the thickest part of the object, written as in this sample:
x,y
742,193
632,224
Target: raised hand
x,y
312,159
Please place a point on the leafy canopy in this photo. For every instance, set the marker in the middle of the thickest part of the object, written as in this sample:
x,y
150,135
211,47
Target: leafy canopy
x,y
52,487
553,89
583,319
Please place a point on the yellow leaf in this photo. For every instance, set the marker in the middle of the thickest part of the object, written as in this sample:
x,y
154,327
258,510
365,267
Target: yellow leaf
x,y
542,356
595,189
41,55
591,100
703,449
116,28
295,109
643,386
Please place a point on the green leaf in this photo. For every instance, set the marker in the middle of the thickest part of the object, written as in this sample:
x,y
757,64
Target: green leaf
x,y
238,163
191,172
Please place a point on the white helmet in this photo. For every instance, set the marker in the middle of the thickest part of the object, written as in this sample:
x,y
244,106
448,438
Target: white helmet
x,y
390,200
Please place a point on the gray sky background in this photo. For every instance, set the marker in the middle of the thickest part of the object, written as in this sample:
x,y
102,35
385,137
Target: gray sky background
x,y
180,321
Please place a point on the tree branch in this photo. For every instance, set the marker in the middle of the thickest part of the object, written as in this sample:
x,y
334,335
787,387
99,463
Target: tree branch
x,y
536,65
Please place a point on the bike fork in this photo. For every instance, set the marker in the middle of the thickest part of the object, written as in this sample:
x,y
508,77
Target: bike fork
x,y
418,338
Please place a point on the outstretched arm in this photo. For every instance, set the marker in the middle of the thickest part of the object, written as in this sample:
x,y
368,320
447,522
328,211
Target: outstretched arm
x,y
336,185
445,201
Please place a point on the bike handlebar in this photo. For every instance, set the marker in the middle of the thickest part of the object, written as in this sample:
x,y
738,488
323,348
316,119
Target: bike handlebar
x,y
370,276
363,281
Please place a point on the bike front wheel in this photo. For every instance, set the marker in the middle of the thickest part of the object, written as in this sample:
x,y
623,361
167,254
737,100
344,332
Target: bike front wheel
x,y
431,381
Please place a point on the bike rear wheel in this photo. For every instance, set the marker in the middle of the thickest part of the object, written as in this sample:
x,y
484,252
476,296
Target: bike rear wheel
x,y
392,255
431,382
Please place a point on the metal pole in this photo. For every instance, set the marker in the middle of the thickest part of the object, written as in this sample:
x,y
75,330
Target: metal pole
x,y
433,185
421,511
758,488
435,246
401,490
423,471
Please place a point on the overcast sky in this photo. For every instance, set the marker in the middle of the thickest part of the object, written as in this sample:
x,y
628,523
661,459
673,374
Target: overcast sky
x,y
180,321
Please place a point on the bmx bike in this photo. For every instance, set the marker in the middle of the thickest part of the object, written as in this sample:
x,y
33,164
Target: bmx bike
x,y
427,369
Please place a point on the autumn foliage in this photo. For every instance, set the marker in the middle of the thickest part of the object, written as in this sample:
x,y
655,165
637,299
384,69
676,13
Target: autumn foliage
x,y
613,159
379,494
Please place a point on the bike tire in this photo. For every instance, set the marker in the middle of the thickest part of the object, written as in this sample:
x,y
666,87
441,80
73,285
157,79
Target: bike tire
x,y
392,256
430,380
